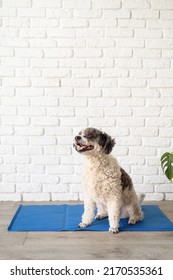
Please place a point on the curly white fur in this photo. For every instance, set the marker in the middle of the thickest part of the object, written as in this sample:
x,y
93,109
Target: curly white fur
x,y
102,188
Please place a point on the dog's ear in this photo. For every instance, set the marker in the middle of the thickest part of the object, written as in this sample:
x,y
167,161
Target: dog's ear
x,y
106,142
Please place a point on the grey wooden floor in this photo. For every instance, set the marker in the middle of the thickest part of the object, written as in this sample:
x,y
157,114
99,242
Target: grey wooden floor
x,y
83,245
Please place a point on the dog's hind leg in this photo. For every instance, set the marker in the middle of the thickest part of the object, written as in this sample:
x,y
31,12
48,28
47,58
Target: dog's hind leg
x,y
88,215
101,212
132,203
135,213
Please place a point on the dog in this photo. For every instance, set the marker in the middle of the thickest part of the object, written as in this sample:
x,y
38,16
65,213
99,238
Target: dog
x,y
106,185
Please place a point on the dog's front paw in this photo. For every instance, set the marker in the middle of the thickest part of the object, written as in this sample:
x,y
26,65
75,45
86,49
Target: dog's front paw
x,y
113,230
82,225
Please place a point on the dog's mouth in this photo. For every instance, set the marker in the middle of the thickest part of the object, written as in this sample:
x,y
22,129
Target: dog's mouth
x,y
83,148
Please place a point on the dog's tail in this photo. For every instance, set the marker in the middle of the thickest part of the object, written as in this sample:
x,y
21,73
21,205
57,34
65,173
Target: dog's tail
x,y
141,197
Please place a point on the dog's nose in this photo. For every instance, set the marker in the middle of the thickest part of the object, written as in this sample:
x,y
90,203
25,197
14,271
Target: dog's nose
x,y
78,138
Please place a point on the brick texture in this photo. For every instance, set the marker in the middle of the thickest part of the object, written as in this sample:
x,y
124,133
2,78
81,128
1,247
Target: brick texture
x,y
69,64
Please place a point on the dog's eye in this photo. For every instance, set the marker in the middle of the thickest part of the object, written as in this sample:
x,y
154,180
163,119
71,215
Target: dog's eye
x,y
88,136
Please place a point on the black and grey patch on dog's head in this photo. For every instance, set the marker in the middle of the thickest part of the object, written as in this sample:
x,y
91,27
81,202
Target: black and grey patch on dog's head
x,y
93,135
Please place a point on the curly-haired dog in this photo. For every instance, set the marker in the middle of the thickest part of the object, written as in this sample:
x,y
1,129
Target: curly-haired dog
x,y
106,185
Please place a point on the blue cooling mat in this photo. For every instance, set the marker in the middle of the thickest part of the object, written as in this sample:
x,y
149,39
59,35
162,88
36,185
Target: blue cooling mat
x,y
67,217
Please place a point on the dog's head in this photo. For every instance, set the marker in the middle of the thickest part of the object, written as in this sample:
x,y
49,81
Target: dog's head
x,y
91,140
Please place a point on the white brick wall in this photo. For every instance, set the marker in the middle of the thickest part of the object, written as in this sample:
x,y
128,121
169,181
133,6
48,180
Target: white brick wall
x,y
69,64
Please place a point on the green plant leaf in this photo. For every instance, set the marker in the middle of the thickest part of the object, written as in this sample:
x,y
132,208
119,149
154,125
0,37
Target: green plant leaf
x,y
167,165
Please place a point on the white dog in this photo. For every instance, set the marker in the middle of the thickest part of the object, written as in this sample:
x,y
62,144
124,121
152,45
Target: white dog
x,y
105,184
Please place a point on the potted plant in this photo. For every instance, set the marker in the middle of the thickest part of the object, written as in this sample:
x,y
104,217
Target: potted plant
x,y
167,165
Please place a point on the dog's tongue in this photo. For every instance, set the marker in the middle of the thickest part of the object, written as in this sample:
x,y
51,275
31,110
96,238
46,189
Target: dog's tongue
x,y
82,147
79,147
